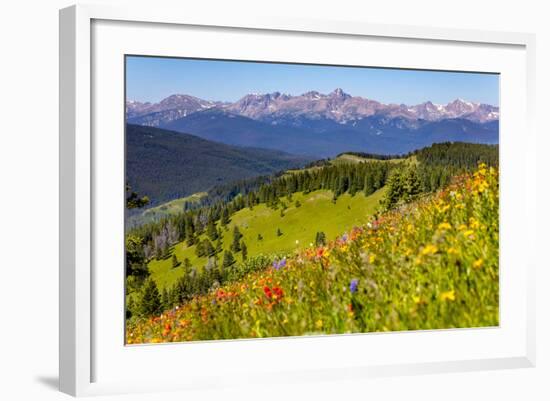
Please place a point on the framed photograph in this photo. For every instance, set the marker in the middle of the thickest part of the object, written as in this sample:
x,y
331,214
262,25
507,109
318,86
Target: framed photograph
x,y
300,199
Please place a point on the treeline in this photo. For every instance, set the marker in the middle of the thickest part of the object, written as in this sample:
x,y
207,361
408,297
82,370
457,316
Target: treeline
x,y
434,168
451,154
227,192
359,177
457,155
440,162
374,156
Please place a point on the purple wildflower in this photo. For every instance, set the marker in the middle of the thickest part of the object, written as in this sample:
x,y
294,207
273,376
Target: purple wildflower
x,y
353,285
280,264
345,237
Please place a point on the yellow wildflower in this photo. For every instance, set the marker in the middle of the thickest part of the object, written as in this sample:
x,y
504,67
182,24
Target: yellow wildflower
x,y
319,324
447,295
478,263
474,223
372,258
452,251
429,250
468,233
444,226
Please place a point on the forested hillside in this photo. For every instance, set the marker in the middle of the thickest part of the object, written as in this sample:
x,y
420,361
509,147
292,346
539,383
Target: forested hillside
x,y
165,165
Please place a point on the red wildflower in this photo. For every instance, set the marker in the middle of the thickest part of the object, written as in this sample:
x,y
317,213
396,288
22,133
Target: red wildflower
x,y
278,292
204,314
275,293
166,330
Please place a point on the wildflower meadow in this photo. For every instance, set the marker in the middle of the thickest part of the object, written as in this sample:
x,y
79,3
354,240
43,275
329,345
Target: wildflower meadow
x,y
426,261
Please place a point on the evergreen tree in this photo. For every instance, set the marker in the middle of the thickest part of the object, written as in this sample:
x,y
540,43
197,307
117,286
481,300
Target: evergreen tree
x,y
133,200
175,261
369,184
212,272
136,263
190,234
297,204
236,245
279,232
411,183
149,302
211,230
225,217
208,248
244,251
199,249
219,245
158,253
320,238
165,300
260,237
228,259
395,189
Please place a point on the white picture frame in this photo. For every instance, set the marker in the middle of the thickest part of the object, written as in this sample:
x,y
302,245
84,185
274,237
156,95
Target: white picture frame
x,y
80,341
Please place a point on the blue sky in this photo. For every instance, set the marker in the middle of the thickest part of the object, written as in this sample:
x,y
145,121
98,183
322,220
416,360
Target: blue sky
x,y
153,78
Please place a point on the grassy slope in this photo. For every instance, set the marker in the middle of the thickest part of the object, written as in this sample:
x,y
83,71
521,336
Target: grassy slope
x,y
346,158
317,213
349,158
166,209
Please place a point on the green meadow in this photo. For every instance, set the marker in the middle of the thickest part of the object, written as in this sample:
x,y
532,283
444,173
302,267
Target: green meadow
x,y
305,215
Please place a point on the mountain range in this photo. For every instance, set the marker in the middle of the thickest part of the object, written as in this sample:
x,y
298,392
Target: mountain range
x,y
320,125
